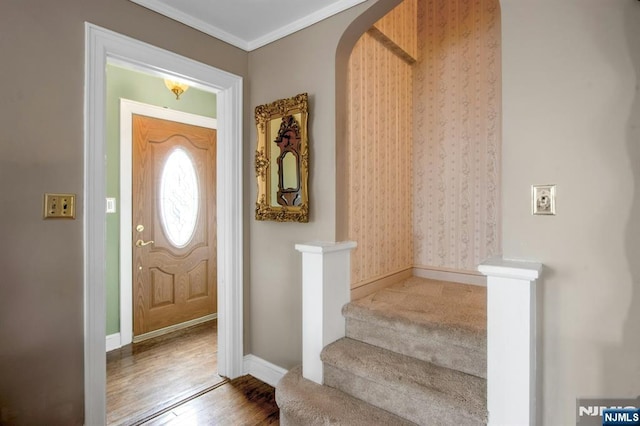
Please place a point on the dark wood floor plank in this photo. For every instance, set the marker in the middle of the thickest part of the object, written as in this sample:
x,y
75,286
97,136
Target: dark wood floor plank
x,y
243,401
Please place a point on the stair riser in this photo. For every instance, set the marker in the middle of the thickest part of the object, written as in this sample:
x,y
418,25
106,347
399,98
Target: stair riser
x,y
445,354
419,407
304,403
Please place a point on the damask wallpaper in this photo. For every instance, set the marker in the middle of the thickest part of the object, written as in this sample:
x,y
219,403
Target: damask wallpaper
x,y
379,156
424,139
457,134
400,28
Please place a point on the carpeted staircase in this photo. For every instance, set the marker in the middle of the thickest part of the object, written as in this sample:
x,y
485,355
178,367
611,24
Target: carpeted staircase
x,y
415,353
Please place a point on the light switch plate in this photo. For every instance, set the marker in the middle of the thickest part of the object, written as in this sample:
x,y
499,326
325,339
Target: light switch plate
x,y
59,206
111,205
543,199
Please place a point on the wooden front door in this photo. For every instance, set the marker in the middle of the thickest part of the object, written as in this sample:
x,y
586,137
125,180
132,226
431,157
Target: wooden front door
x,y
174,223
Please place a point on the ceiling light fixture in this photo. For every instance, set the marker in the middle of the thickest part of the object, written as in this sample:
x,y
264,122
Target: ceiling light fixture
x,y
177,87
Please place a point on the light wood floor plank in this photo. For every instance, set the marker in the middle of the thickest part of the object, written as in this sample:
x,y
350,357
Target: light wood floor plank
x,y
172,380
145,377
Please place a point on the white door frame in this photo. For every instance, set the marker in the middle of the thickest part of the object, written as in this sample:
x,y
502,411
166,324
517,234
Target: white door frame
x,y
127,109
103,46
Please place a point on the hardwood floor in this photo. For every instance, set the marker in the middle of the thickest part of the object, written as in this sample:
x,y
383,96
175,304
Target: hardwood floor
x,y
172,379
242,401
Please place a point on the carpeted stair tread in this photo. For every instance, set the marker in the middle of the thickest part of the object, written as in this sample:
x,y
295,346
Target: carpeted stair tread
x,y
440,322
458,310
303,402
414,389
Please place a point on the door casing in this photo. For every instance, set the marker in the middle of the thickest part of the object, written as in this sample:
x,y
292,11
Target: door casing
x,y
127,109
104,46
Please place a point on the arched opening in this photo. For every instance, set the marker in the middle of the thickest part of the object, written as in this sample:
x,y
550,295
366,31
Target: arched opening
x,y
419,140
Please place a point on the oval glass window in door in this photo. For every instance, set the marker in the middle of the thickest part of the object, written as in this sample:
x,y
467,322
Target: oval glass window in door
x,y
178,199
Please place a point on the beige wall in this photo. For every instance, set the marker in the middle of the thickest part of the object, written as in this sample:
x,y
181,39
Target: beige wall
x,y
302,62
572,118
379,149
41,150
457,145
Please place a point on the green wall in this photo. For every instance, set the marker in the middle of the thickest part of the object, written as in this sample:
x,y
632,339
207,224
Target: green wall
x,y
140,87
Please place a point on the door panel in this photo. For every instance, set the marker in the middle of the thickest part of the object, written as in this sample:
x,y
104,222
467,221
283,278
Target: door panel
x,y
174,220
198,281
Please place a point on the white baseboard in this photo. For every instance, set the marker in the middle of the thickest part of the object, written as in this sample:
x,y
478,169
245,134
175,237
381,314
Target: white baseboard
x,y
113,342
367,288
472,278
263,370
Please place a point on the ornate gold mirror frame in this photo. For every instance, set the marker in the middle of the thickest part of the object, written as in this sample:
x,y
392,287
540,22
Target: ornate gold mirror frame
x,y
282,160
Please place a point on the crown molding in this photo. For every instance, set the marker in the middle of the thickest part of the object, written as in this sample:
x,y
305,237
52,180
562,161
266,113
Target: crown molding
x,y
193,22
247,45
303,22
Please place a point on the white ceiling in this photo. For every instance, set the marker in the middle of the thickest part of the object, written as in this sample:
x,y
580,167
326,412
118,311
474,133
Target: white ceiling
x,y
248,24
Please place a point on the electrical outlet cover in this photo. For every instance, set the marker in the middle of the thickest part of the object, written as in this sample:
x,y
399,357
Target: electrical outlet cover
x,y
543,199
59,206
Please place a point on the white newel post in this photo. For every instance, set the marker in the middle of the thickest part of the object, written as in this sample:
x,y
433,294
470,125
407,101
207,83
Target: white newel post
x,y
511,341
326,273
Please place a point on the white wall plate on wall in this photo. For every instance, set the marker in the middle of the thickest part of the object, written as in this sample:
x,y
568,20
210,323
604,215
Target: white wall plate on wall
x,y
543,199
